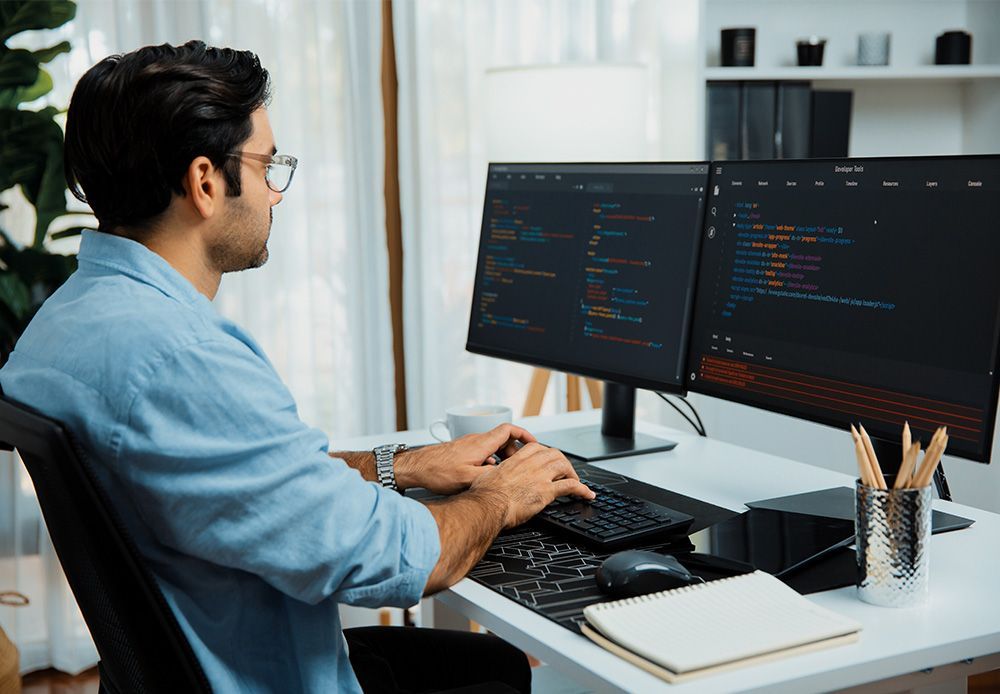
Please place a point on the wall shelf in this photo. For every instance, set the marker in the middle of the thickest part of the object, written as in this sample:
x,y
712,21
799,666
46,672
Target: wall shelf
x,y
851,73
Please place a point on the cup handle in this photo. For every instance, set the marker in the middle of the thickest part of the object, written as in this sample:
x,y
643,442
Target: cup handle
x,y
434,434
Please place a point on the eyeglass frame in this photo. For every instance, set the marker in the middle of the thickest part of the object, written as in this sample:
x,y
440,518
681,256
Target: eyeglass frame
x,y
269,159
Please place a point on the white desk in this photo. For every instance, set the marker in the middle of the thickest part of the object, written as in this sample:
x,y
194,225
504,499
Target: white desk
x,y
957,633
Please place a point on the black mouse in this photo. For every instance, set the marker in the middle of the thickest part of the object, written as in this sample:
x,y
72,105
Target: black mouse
x,y
637,572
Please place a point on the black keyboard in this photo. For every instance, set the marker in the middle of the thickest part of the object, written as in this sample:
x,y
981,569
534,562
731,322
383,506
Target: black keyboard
x,y
613,519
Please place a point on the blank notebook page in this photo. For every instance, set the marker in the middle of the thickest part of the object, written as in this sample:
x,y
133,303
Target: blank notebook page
x,y
712,623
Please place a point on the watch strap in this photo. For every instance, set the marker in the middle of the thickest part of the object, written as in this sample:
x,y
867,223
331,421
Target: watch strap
x,y
385,463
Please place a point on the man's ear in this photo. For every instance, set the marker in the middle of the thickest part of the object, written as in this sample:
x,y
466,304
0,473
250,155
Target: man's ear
x,y
204,184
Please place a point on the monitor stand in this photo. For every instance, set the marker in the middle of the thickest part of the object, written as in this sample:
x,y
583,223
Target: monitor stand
x,y
615,438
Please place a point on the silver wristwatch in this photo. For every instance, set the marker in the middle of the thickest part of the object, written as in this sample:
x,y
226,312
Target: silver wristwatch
x,y
384,468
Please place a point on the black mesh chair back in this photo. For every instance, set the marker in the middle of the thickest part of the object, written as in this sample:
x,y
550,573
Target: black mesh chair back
x,y
141,645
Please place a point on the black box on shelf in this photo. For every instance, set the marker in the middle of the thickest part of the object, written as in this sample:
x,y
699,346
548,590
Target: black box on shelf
x,y
831,123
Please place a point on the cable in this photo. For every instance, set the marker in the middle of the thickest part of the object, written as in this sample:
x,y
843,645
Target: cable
x,y
699,430
680,412
694,412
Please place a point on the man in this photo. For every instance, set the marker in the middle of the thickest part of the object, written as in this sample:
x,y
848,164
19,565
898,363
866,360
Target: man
x,y
253,532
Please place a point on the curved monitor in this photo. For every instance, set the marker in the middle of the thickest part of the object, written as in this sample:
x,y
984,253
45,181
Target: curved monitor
x,y
863,289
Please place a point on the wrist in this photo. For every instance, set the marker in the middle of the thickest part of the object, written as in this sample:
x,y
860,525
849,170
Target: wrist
x,y
386,456
494,503
407,464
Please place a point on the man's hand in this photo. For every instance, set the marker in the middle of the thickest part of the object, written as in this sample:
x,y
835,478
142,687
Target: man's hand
x,y
502,496
452,467
529,480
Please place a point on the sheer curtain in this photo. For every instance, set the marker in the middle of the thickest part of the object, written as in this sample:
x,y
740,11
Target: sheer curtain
x,y
443,50
319,307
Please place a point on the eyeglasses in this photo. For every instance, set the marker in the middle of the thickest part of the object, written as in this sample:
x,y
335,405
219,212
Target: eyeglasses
x,y
279,170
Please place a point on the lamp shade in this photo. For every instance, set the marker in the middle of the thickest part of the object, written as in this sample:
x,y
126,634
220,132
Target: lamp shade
x,y
567,113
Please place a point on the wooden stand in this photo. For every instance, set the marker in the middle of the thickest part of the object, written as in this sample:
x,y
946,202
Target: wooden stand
x,y
540,381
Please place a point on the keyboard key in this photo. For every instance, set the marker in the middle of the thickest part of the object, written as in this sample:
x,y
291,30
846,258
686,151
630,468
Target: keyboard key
x,y
613,519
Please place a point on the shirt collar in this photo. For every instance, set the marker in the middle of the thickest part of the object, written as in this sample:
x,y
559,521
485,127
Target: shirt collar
x,y
133,259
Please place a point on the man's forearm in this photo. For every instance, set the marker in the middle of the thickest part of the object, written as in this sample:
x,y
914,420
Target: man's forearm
x,y
467,523
362,461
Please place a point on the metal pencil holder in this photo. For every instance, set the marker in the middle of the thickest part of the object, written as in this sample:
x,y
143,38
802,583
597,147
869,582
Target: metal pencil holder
x,y
893,531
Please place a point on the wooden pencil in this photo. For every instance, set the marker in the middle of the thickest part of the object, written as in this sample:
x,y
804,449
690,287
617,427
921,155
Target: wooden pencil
x,y
928,454
872,458
932,458
907,441
859,452
919,467
905,473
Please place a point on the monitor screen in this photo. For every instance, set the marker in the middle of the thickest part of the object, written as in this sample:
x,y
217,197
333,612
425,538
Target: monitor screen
x,y
863,289
589,268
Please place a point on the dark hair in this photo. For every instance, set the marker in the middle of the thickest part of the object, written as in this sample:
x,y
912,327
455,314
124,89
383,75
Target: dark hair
x,y
137,121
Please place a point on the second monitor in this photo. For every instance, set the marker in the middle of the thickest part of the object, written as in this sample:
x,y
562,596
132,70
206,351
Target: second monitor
x,y
589,268
864,289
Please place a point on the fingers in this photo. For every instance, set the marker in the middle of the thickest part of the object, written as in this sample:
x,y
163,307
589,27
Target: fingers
x,y
568,486
550,462
512,447
558,467
528,450
507,434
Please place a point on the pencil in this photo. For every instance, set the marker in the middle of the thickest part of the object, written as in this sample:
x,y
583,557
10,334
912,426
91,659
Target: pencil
x,y
932,458
859,451
919,468
919,472
906,469
907,440
872,458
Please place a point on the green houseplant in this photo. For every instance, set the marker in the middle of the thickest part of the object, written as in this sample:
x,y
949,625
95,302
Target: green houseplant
x,y
31,143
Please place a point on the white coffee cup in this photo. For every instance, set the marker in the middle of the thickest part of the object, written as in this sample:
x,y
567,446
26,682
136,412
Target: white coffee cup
x,y
473,419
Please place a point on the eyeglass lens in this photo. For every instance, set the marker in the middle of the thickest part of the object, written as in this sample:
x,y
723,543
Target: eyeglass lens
x,y
278,177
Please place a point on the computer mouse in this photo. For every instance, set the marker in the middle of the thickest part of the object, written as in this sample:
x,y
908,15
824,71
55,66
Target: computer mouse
x,y
637,572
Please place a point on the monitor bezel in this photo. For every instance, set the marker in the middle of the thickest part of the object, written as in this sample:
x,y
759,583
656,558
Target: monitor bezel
x,y
576,369
992,405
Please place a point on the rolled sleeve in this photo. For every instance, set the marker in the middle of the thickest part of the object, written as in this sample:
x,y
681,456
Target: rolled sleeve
x,y
420,551
221,468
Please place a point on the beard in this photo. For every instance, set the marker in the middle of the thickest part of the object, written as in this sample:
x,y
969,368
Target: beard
x,y
243,243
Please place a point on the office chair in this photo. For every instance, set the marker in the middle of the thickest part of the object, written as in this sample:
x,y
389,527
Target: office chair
x,y
141,645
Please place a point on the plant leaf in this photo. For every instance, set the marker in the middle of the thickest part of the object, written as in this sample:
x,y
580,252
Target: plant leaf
x,y
24,15
10,329
32,157
44,55
10,98
71,231
18,68
50,200
40,270
14,294
21,147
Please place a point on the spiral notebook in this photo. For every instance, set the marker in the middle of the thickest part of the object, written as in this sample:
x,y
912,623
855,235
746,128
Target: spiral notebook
x,y
709,627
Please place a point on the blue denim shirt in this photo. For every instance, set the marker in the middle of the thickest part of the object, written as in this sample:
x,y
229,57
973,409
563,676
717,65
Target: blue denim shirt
x,y
253,532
